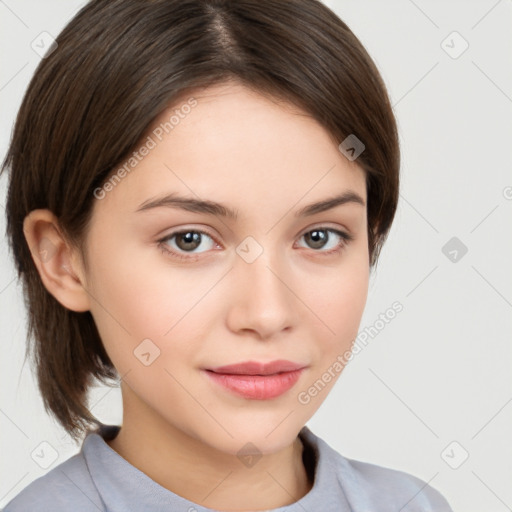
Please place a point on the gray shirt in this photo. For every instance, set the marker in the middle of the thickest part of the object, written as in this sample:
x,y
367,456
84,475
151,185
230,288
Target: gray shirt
x,y
99,479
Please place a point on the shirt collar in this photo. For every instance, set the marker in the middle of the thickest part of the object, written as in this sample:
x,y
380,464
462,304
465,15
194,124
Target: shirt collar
x,y
124,487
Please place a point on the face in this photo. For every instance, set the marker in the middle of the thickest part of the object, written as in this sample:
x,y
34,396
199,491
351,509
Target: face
x,y
180,290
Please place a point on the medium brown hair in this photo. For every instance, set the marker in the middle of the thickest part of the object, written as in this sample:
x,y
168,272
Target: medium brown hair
x,y
118,65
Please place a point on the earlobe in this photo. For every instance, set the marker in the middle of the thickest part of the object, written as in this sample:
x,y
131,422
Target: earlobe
x,y
55,260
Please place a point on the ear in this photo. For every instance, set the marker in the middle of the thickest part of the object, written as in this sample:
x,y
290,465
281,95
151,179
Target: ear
x,y
57,262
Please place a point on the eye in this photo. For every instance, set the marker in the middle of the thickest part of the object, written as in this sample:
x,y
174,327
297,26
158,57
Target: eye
x,y
322,237
186,241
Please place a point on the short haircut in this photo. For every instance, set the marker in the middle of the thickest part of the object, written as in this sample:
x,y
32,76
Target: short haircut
x,y
117,66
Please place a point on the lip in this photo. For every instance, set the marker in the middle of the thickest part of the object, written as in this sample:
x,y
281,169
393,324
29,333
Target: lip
x,y
257,381
256,368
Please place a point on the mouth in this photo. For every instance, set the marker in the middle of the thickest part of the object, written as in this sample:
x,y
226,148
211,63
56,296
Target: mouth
x,y
255,368
257,381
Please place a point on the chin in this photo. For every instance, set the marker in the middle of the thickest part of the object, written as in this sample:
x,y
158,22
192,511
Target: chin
x,y
266,439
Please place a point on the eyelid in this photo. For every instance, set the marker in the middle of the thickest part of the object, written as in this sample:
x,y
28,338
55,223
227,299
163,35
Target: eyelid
x,y
185,229
328,225
206,230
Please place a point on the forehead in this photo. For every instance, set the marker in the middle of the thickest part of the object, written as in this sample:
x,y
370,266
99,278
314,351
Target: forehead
x,y
234,145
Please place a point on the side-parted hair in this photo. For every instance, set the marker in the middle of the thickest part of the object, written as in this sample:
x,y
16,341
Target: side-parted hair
x,y
117,66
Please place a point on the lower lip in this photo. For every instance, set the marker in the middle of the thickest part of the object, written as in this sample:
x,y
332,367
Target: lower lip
x,y
257,387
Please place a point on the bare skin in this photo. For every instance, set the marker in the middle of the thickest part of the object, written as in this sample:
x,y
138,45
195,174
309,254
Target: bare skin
x,y
267,160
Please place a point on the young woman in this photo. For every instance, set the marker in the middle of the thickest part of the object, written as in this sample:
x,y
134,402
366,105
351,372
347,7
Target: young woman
x,y
198,192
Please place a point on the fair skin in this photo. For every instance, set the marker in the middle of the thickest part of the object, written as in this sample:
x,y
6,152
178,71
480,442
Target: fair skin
x,y
267,160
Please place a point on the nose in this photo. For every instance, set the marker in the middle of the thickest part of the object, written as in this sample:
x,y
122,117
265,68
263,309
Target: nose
x,y
262,300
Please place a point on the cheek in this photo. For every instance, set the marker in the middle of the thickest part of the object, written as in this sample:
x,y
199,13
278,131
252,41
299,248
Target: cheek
x,y
339,303
341,308
130,300
140,297
337,297
352,292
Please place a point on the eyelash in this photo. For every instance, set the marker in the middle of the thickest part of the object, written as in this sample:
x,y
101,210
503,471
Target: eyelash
x,y
346,238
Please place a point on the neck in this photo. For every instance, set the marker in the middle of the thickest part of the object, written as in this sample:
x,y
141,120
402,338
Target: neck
x,y
204,475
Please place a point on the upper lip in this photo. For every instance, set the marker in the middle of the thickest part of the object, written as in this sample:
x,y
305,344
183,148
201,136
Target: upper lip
x,y
256,368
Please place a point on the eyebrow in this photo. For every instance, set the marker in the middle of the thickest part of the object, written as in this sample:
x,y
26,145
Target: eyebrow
x,y
213,208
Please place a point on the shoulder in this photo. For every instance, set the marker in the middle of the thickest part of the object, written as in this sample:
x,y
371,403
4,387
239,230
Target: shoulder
x,y
66,487
393,489
368,486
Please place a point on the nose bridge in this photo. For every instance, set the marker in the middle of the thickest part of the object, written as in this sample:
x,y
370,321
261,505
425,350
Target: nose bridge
x,y
263,301
258,263
268,278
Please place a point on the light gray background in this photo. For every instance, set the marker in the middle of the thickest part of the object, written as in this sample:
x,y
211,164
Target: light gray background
x,y
440,371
